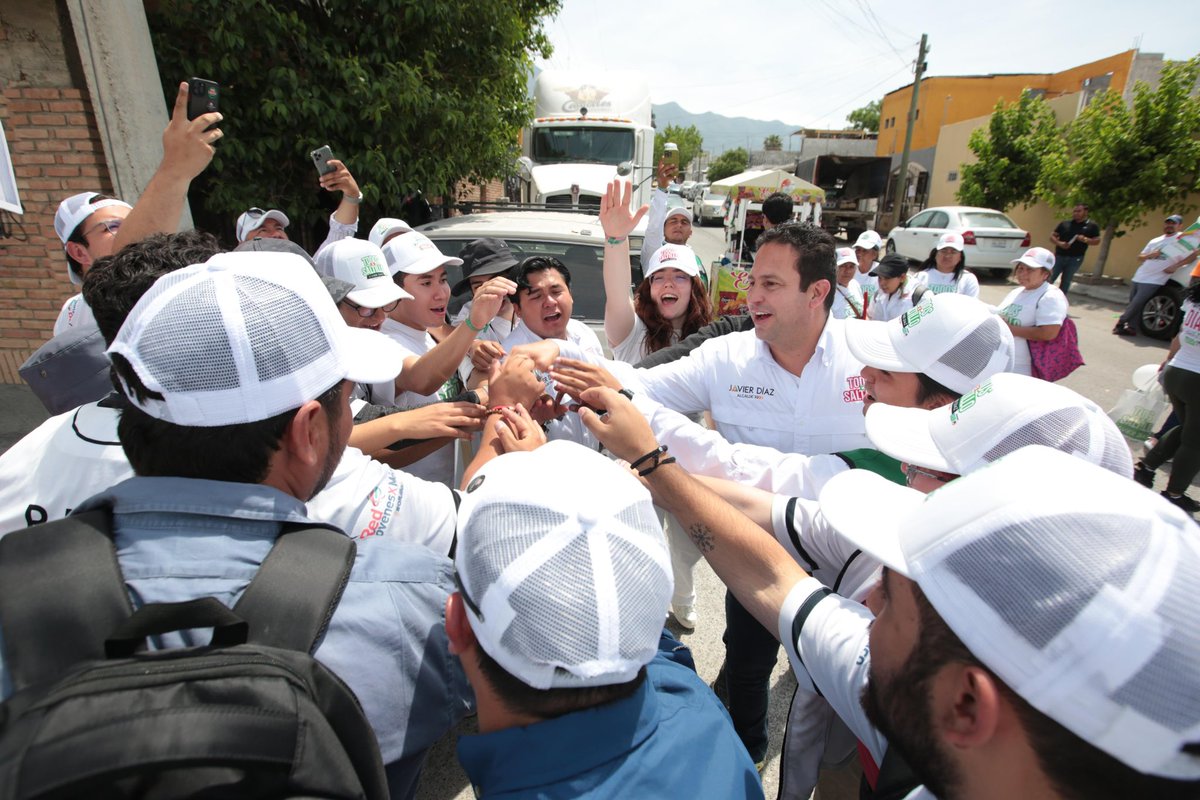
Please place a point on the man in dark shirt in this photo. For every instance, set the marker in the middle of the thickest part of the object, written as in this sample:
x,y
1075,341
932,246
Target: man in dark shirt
x,y
1071,239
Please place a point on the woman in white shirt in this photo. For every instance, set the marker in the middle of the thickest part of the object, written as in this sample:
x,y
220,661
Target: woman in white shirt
x,y
670,303
946,268
894,293
849,299
1035,311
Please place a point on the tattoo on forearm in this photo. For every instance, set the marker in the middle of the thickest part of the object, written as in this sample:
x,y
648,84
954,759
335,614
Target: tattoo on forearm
x,y
702,537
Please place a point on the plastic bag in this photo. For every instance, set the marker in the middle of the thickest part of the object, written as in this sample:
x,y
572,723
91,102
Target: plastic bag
x,y
1137,412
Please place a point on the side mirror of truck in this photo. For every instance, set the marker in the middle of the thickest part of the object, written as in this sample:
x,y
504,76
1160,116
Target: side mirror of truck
x,y
625,168
525,168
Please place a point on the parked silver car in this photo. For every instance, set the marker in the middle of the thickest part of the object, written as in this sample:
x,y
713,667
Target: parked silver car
x,y
992,239
708,207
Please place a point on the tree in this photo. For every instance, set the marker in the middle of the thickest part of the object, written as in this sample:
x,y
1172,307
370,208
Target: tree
x,y
772,142
865,118
413,96
731,162
1125,161
689,139
1010,151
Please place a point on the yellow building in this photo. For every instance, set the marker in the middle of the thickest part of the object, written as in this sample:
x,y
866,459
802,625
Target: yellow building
x,y
950,99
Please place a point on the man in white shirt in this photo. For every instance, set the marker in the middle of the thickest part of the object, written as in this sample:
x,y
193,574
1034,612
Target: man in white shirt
x,y
87,225
1154,270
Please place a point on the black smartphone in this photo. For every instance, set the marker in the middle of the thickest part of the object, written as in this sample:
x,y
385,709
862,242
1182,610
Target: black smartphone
x,y
320,158
204,97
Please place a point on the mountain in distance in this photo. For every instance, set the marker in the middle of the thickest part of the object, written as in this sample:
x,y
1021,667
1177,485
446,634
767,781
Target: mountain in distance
x,y
723,133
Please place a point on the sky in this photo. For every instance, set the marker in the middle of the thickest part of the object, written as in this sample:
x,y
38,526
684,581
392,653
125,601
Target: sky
x,y
810,62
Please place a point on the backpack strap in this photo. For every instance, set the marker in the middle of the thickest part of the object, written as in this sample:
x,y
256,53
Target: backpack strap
x,y
298,586
61,595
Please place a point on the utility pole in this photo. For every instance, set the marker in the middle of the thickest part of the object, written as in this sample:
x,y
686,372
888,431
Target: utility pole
x,y
902,177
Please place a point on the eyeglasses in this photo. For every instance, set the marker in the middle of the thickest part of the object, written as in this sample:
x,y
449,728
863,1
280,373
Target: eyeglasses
x,y
681,278
912,473
255,213
110,225
363,311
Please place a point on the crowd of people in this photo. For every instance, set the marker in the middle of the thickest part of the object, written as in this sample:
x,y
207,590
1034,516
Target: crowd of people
x,y
975,594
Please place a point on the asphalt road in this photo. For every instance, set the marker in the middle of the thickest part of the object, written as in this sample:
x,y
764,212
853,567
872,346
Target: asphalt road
x,y
1110,362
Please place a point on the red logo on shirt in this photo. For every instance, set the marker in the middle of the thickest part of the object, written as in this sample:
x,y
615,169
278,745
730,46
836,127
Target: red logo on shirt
x,y
855,391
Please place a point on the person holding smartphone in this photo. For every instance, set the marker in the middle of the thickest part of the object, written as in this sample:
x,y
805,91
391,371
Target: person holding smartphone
x,y
1071,240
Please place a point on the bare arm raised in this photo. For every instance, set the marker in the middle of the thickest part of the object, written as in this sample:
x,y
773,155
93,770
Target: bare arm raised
x,y
618,221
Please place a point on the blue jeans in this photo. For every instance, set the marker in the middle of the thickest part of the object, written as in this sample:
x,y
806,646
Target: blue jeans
x,y
1066,266
1139,293
750,655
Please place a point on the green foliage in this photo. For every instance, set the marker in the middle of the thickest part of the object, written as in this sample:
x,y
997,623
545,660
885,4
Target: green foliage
x,y
689,140
865,118
1010,152
412,95
773,142
731,162
1127,161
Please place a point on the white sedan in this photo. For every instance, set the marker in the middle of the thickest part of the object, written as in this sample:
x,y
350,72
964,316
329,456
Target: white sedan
x,y
708,207
992,239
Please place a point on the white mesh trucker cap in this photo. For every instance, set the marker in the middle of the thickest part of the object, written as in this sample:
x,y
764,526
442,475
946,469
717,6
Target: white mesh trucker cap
x,y
954,339
1078,592
563,567
362,264
384,228
242,338
1001,415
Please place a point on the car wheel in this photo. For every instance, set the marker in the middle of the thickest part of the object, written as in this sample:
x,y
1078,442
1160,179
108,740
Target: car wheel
x,y
890,247
1160,316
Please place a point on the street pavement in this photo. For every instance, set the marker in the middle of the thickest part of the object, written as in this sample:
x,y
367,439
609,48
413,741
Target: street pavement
x,y
1110,363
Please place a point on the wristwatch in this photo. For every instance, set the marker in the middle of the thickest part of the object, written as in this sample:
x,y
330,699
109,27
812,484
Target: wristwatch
x,y
353,200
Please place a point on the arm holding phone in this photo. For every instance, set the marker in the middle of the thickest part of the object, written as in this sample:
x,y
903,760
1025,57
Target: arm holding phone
x,y
334,176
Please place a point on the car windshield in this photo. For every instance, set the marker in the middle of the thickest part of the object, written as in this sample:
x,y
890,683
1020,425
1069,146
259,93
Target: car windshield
x,y
987,219
561,144
583,260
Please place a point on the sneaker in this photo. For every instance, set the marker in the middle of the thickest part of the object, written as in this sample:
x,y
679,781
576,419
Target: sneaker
x,y
684,615
1143,475
1183,501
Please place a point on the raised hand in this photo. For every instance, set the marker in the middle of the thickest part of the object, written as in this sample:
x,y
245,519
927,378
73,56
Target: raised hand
x,y
615,216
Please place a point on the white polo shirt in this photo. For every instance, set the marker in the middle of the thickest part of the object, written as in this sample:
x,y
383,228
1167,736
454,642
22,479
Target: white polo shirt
x,y
439,465
72,456
578,333
817,546
885,307
754,400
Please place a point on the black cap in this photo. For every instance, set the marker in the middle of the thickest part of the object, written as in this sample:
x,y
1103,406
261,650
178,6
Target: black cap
x,y
483,257
893,265
267,245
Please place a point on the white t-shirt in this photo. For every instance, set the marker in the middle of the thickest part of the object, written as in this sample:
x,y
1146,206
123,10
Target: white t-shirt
x,y
848,301
72,456
868,282
756,401
75,313
939,282
1151,270
633,348
886,307
1188,356
1045,305
570,427
439,465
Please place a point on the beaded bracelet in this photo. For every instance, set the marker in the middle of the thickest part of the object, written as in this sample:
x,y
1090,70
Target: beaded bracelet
x,y
498,410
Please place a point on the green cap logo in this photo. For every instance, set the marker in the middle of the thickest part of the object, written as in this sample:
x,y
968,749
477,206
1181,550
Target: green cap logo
x,y
968,400
372,267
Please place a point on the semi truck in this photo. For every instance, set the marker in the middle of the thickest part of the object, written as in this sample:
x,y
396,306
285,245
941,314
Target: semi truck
x,y
587,130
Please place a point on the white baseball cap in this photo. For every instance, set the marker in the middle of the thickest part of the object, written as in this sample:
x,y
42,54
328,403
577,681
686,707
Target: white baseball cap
x,y
384,228
243,337
951,239
677,256
254,218
363,265
868,240
415,254
1036,257
78,207
1001,415
954,339
563,567
1075,586
845,255
678,211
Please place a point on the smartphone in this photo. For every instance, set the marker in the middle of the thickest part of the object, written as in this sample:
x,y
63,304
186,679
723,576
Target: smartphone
x,y
320,158
671,154
203,98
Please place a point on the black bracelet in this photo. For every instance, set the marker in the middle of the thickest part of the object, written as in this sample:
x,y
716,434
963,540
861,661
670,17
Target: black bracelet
x,y
628,394
656,465
656,454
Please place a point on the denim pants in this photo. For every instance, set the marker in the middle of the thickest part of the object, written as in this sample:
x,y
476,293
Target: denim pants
x,y
1066,266
1139,293
751,652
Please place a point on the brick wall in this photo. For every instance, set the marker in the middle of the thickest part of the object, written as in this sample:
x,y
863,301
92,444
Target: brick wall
x,y
56,152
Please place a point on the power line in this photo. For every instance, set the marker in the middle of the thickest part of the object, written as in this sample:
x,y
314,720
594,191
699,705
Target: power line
x,y
865,7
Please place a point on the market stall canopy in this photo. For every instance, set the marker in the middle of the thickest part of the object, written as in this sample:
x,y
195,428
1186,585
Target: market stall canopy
x,y
757,184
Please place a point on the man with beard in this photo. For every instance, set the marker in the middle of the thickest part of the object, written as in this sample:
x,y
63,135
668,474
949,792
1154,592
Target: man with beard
x,y
1030,638
237,376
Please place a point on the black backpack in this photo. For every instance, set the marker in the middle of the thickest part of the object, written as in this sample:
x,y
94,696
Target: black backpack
x,y
95,714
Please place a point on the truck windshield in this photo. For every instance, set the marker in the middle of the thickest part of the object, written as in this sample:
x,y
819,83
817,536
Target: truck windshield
x,y
557,145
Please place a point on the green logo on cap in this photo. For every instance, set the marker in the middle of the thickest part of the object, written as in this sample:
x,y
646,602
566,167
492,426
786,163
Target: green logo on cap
x,y
372,267
968,400
914,316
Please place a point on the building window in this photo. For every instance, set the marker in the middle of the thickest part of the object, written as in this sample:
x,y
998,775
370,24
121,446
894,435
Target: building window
x,y
10,198
952,176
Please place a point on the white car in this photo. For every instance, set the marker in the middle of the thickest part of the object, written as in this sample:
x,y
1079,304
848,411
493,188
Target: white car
x,y
992,239
708,207
575,239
